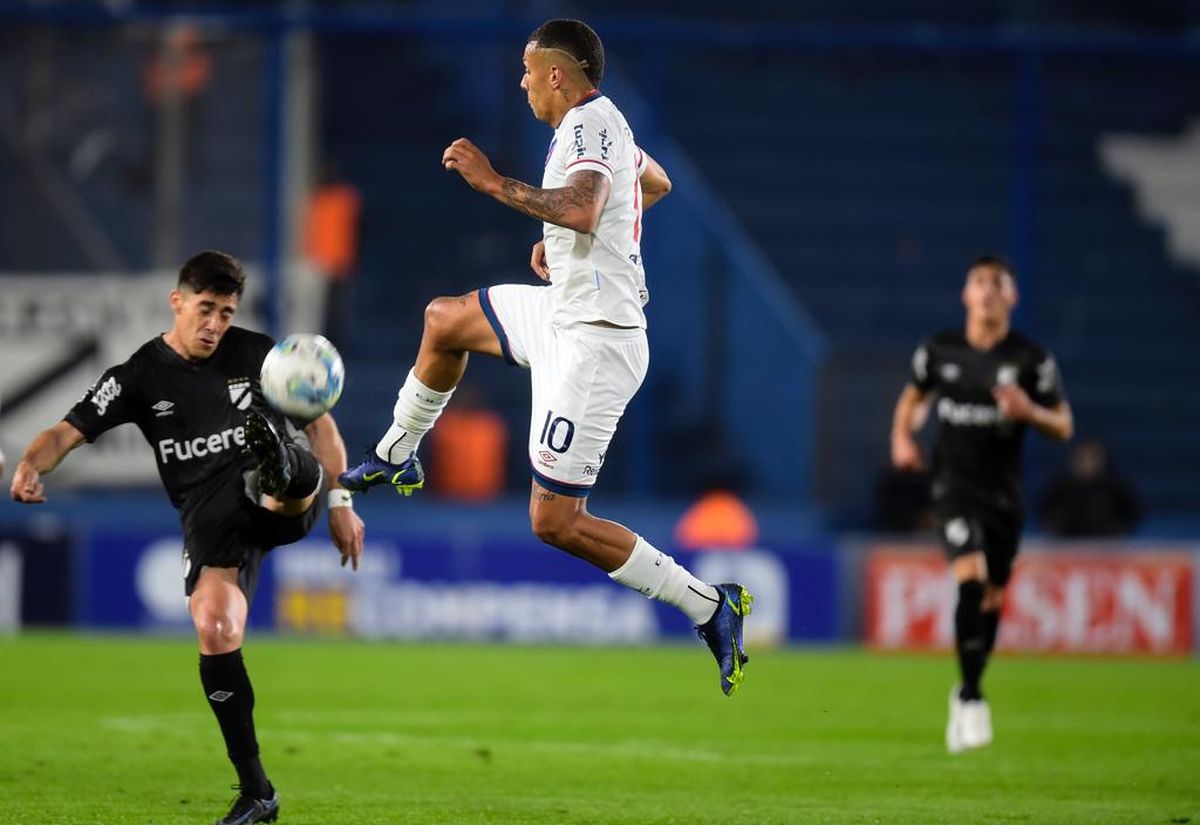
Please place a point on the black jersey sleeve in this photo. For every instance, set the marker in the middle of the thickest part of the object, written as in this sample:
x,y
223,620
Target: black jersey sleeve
x,y
922,373
109,403
1046,387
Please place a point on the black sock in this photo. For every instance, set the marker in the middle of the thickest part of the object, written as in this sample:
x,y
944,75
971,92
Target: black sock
x,y
991,625
968,631
231,698
305,470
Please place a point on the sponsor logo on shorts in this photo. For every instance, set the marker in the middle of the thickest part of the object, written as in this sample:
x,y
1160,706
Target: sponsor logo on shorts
x,y
589,470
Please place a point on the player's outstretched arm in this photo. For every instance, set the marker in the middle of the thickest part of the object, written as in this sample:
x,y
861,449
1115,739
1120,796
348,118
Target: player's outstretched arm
x,y
345,527
577,205
655,183
42,455
906,453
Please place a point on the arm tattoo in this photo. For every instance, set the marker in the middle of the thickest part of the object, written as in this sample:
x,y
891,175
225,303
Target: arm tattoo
x,y
554,205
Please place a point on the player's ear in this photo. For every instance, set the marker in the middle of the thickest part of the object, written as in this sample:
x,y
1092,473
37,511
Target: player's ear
x,y
175,299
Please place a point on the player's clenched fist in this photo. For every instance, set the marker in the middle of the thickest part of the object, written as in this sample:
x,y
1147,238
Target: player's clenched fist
x,y
465,157
537,261
27,485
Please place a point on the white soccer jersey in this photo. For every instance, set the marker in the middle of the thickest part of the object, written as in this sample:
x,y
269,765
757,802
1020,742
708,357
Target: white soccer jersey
x,y
598,277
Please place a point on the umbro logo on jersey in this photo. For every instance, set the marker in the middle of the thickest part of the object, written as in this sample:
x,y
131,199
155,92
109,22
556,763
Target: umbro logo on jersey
x,y
239,393
163,408
950,372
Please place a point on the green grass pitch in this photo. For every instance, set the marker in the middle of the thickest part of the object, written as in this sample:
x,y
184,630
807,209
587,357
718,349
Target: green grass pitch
x,y
115,730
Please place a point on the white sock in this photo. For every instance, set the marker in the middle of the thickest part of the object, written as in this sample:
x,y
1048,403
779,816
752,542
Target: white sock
x,y
656,575
417,408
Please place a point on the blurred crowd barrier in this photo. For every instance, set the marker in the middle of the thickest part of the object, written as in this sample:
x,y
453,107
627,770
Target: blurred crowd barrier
x,y
1092,598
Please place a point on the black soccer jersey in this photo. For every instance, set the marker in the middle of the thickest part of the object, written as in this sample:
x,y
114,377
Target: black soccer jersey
x,y
976,451
191,413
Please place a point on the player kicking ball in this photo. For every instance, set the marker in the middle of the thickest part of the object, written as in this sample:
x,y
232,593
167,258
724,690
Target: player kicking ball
x,y
582,336
988,385
243,479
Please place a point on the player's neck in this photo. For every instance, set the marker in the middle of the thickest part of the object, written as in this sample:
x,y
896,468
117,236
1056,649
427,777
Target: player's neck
x,y
171,339
569,101
983,334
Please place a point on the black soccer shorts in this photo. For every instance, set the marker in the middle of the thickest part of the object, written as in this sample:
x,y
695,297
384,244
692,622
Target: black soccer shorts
x,y
240,538
966,526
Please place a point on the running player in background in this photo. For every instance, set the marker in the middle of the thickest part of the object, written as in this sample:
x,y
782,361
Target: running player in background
x,y
988,384
243,479
583,337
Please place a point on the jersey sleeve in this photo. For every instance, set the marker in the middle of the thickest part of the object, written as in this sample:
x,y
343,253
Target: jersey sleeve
x,y
922,374
1047,387
643,160
592,144
107,404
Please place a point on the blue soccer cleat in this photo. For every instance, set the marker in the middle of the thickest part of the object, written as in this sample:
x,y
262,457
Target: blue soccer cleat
x,y
723,634
406,476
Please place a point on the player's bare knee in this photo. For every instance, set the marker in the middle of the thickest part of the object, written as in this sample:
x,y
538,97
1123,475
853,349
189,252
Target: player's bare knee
x,y
970,567
217,631
442,321
555,527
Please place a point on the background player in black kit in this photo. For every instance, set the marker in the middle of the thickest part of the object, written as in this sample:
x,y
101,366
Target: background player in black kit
x,y
243,479
986,385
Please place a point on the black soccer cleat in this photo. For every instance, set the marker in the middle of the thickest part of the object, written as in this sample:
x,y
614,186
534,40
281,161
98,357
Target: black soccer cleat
x,y
246,809
267,445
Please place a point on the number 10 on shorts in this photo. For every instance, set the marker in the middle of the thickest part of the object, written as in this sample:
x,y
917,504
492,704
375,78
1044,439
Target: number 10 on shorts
x,y
557,432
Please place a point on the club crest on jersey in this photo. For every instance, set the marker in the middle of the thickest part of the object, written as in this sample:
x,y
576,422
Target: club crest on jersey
x,y
950,372
239,393
1006,376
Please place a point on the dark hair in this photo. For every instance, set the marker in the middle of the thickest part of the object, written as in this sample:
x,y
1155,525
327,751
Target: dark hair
x,y
996,262
214,272
577,39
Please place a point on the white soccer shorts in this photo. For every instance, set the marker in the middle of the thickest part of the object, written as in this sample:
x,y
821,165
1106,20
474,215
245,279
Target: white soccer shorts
x,y
583,377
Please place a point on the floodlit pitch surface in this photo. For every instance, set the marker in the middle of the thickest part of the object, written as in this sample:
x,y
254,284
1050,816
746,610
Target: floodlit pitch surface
x,y
115,730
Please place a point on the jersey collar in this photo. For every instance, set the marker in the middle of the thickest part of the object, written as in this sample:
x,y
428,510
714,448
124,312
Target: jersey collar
x,y
591,96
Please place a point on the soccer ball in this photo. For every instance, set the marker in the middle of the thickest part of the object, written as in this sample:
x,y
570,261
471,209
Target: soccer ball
x,y
302,376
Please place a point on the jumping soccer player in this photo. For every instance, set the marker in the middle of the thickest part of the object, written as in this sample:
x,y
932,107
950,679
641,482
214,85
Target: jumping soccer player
x,y
583,337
